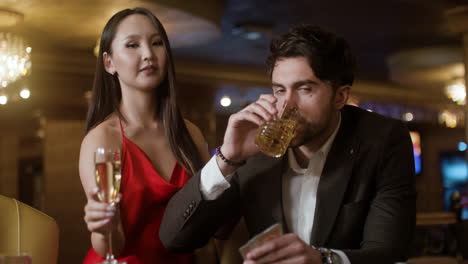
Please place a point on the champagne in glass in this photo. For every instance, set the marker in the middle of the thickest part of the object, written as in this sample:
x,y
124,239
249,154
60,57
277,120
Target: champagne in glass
x,y
108,177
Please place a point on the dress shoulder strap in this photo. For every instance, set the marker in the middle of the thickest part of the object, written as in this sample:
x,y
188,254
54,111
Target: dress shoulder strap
x,y
121,129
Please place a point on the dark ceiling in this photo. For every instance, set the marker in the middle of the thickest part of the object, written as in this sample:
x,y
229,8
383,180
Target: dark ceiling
x,y
375,29
63,61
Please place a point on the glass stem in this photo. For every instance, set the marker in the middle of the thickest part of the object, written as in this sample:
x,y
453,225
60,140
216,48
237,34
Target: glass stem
x,y
110,255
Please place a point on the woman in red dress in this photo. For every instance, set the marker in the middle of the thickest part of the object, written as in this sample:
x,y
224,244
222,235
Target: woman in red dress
x,y
133,108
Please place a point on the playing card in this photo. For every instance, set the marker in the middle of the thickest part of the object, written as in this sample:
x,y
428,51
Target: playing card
x,y
270,233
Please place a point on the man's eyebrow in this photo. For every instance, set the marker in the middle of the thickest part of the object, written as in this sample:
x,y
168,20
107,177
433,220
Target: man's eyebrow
x,y
296,84
273,84
304,82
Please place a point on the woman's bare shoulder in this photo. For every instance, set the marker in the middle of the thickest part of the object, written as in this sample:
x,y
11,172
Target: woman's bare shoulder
x,y
106,134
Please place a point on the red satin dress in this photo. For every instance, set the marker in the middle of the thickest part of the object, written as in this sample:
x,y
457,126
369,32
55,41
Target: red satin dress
x,y
145,195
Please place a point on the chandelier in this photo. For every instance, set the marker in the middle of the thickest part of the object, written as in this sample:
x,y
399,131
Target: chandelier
x,y
15,57
15,61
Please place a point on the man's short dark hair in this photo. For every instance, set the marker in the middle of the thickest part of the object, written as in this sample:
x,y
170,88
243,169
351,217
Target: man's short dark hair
x,y
328,55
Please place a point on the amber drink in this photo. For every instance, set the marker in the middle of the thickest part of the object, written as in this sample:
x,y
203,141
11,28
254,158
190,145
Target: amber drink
x,y
274,137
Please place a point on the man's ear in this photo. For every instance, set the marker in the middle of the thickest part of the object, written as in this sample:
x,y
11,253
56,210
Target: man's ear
x,y
108,64
341,96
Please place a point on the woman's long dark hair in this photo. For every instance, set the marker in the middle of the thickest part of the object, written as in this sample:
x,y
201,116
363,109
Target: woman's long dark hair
x,y
107,95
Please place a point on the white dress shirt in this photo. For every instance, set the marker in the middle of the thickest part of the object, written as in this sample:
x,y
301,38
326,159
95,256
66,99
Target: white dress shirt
x,y
299,189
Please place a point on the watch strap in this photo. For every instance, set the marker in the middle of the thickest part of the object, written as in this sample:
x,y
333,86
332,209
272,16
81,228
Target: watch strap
x,y
328,256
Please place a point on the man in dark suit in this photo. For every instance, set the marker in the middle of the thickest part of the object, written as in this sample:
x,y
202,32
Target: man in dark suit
x,y
345,188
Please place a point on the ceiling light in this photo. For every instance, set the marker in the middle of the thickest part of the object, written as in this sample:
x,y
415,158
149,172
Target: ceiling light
x,y
25,93
252,35
15,55
225,101
3,99
455,90
253,30
15,60
448,118
408,116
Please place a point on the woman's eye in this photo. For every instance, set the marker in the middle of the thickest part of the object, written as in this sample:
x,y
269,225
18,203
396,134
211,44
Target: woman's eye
x,y
157,43
132,45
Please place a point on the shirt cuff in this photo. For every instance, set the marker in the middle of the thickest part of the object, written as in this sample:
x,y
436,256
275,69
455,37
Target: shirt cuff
x,y
212,181
344,258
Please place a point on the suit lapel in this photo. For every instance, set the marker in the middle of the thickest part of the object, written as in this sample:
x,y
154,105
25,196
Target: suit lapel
x,y
333,183
262,191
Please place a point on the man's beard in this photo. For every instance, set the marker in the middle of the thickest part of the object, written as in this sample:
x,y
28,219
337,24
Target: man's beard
x,y
307,132
304,134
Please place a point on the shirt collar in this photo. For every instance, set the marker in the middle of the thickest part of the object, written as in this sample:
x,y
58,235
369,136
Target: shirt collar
x,y
322,151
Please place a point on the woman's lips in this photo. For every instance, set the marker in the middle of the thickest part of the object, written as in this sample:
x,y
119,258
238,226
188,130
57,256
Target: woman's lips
x,y
149,69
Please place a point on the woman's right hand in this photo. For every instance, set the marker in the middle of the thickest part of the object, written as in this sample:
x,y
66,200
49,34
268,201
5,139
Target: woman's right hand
x,y
101,217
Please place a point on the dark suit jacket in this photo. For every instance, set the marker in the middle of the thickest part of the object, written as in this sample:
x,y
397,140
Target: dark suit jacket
x,y
365,199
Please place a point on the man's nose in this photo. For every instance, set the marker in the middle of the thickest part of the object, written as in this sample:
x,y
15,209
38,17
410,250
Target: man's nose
x,y
290,98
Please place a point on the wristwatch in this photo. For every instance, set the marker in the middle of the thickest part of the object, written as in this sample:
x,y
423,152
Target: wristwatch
x,y
329,257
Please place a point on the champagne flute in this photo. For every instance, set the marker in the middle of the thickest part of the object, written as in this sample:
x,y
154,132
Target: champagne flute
x,y
108,176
